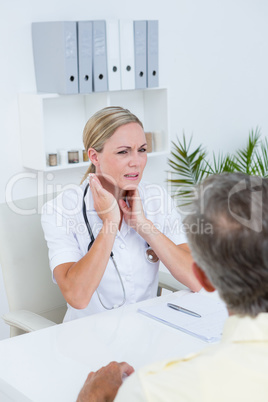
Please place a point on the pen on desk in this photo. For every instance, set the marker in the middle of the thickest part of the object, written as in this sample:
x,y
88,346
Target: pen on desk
x,y
183,310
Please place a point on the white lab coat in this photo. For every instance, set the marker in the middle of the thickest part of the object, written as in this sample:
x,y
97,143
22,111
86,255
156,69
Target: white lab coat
x,y
67,238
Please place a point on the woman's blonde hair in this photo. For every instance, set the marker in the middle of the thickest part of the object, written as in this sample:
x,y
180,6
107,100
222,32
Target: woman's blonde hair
x,y
102,125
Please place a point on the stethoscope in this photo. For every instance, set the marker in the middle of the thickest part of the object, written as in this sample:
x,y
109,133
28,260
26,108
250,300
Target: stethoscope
x,y
150,255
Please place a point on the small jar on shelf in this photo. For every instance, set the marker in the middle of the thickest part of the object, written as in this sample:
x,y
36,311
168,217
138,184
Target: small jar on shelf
x,y
85,156
52,159
73,156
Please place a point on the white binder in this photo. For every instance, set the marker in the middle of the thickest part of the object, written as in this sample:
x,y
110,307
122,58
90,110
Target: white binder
x,y
55,56
100,78
127,54
84,44
140,51
152,54
113,55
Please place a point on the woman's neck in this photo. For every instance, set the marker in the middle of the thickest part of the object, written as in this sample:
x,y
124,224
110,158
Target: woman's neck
x,y
117,192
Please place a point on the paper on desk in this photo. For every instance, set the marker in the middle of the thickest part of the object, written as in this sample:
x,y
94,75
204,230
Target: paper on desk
x,y
208,328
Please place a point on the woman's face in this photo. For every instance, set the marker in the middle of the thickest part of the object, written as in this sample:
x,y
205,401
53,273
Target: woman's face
x,y
123,157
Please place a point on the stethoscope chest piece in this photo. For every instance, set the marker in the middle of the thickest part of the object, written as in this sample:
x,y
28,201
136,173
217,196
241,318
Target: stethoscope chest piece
x,y
150,255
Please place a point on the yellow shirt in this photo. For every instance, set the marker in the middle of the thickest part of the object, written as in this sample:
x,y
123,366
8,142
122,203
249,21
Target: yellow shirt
x,y
236,370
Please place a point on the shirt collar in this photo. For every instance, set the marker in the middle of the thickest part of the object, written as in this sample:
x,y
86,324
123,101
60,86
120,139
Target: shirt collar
x,y
246,329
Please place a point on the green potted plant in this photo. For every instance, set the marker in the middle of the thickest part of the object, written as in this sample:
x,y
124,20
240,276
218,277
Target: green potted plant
x,y
189,167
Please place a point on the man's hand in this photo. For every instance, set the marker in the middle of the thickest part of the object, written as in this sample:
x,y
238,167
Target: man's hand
x,y
102,385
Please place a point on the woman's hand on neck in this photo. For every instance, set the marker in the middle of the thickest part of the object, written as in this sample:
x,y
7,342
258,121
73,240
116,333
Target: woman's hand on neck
x,y
105,203
117,192
132,209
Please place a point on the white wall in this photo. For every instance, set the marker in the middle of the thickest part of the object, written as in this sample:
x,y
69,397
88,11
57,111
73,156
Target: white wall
x,y
213,60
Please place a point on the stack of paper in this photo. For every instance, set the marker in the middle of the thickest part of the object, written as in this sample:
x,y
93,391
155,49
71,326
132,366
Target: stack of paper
x,y
208,327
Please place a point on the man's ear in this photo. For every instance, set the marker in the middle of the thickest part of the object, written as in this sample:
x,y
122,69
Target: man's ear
x,y
202,278
93,156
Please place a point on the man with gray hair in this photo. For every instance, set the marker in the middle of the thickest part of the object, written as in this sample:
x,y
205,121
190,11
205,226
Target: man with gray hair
x,y
231,257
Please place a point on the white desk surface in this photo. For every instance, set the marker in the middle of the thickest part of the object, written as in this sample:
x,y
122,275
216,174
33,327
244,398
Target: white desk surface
x,y
52,364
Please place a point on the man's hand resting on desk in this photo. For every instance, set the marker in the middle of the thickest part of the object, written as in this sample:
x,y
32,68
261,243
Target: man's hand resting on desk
x,y
102,385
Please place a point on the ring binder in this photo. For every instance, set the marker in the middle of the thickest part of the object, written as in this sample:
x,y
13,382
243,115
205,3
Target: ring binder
x,y
100,82
140,50
127,54
55,56
152,54
113,55
84,45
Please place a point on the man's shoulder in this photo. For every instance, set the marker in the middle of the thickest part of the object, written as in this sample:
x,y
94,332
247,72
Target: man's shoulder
x,y
159,380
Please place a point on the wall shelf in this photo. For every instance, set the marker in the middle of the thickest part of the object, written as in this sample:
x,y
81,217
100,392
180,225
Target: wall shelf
x,y
52,122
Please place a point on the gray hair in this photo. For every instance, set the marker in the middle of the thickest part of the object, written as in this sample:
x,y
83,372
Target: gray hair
x,y
234,254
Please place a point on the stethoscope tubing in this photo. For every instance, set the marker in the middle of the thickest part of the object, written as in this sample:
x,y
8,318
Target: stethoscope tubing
x,y
150,255
92,239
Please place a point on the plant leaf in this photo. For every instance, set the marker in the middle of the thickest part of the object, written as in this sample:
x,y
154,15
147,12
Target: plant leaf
x,y
221,163
261,166
245,158
189,166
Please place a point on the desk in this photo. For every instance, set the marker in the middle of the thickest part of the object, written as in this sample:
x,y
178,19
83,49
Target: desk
x,y
52,364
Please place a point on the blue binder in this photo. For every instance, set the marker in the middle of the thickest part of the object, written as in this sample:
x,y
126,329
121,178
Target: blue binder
x,y
55,56
140,51
84,44
152,54
100,81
